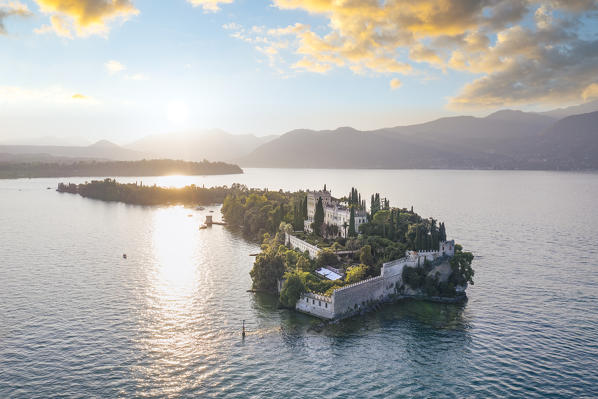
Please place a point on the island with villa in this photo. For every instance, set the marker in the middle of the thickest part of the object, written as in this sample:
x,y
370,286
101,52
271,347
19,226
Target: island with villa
x,y
333,258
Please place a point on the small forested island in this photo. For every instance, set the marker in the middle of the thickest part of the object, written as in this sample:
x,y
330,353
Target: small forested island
x,y
332,258
154,167
139,194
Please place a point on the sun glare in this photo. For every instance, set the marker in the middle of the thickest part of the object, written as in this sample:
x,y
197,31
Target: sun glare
x,y
178,112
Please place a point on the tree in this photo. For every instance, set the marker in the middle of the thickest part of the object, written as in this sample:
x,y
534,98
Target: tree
x,y
375,204
326,258
352,232
442,232
462,272
356,274
365,255
318,217
292,288
267,269
304,264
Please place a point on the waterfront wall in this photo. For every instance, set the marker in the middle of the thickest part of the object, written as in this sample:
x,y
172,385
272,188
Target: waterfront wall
x,y
352,298
317,305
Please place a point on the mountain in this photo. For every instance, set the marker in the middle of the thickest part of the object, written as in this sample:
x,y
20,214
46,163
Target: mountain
x,y
495,133
506,139
571,143
559,113
101,150
213,145
350,148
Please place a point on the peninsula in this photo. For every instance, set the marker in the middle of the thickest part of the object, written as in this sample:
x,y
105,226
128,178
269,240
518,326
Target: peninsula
x,y
333,258
90,168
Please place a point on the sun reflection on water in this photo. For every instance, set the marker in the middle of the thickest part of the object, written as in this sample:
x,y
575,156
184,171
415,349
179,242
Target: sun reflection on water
x,y
177,181
170,340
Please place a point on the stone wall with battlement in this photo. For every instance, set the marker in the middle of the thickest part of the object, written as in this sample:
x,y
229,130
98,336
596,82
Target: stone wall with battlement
x,y
317,305
352,298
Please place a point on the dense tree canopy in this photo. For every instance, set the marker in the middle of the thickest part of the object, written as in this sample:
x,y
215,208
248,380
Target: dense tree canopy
x,y
154,167
292,288
140,194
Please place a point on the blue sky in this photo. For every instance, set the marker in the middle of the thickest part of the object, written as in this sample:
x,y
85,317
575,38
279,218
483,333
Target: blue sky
x,y
186,68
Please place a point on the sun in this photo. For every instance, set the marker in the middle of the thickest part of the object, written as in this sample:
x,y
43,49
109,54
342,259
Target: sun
x,y
178,112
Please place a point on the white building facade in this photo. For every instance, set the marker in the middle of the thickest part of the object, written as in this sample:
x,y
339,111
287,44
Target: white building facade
x,y
335,214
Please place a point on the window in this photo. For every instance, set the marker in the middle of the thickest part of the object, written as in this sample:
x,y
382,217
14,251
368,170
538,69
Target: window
x,y
326,304
319,303
307,300
313,301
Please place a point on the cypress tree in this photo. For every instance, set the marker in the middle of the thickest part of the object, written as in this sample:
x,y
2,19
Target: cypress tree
x,y
318,217
352,232
391,230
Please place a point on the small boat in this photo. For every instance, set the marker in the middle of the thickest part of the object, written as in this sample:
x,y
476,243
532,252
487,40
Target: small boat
x,y
189,216
200,208
203,226
124,256
211,211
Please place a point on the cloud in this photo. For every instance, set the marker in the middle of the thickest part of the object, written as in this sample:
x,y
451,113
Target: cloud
x,y
9,9
395,83
58,25
56,95
114,66
84,17
517,51
209,5
590,92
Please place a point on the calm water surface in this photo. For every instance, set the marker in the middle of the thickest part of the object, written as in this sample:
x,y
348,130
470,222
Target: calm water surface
x,y
77,320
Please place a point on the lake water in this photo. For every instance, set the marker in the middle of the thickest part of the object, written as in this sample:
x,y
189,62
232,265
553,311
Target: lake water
x,y
78,320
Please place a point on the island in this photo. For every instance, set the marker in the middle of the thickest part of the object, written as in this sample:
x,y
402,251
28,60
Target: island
x,y
142,194
332,258
89,168
328,257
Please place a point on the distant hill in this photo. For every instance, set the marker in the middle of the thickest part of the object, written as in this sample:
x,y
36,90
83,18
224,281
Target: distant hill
x,y
560,113
350,148
101,150
571,143
503,140
213,145
155,167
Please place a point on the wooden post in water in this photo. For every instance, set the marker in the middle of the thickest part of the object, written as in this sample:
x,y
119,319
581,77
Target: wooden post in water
x,y
243,333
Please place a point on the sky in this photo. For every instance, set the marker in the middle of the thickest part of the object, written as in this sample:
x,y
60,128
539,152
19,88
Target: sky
x,y
124,69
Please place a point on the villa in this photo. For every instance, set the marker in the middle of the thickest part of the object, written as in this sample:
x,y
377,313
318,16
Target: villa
x,y
335,213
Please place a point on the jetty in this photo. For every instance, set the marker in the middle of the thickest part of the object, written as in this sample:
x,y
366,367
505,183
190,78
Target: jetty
x,y
209,221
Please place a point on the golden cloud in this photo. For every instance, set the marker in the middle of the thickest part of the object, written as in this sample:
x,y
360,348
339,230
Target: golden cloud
x,y
590,92
499,40
56,95
209,5
84,17
395,83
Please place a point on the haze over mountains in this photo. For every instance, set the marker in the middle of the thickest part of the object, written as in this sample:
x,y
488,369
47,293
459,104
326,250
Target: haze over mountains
x,y
560,139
